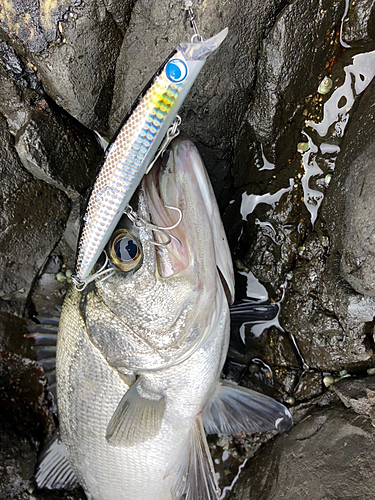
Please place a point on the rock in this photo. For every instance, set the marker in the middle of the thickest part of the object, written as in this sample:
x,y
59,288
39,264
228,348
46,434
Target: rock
x,y
13,104
23,74
154,32
58,150
327,455
348,207
33,218
24,407
66,41
359,22
51,145
32,24
309,386
17,461
330,323
357,394
286,74
274,246
78,72
271,345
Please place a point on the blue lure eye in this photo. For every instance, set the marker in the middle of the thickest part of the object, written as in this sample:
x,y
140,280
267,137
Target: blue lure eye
x,y
176,70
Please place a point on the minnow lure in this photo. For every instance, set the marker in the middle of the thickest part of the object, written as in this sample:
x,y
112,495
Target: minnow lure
x,y
130,153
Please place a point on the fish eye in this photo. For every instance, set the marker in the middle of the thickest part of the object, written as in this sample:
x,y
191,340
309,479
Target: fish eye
x,y
124,251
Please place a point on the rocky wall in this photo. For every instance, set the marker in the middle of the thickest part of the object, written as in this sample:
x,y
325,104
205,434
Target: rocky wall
x,y
283,115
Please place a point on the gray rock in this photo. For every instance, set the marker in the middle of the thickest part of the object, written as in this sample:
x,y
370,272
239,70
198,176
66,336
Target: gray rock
x,y
359,22
328,455
215,107
51,145
17,460
348,207
285,73
309,386
33,219
357,394
24,74
58,150
328,320
78,70
13,104
274,247
33,24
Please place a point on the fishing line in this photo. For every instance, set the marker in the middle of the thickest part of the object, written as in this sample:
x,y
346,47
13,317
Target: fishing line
x,y
197,37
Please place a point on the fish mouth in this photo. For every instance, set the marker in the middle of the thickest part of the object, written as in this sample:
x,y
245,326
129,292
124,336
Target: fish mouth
x,y
178,183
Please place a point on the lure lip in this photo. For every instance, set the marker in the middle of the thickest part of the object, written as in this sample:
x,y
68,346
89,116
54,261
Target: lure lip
x,y
200,50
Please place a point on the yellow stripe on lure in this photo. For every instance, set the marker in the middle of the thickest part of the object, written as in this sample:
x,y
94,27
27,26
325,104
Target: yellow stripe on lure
x,y
134,146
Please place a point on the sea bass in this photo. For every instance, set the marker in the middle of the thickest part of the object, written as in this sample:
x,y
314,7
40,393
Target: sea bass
x,y
133,147
140,353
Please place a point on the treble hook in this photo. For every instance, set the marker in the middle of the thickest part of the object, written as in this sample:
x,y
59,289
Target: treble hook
x,y
80,284
140,222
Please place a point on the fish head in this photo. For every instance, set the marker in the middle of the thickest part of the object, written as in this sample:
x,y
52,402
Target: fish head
x,y
160,300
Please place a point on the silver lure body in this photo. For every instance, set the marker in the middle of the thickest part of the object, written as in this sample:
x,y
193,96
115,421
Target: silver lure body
x,y
139,356
134,147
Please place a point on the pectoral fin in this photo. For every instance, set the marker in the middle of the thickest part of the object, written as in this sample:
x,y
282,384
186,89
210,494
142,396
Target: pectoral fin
x,y
233,409
137,417
53,470
195,476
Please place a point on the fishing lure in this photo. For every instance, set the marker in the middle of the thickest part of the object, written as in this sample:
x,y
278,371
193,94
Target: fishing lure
x,y
152,118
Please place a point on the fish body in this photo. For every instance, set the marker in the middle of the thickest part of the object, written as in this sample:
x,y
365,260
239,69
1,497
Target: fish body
x,y
140,353
134,146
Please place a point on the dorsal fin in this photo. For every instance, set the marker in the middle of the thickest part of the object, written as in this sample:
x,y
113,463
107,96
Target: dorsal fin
x,y
45,340
195,476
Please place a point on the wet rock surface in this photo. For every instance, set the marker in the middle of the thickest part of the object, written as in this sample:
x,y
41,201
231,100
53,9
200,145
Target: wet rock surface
x,y
359,23
349,201
327,455
292,169
284,72
38,208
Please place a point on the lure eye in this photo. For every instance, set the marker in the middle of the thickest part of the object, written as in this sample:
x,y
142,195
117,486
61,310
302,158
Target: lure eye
x,y
124,251
176,70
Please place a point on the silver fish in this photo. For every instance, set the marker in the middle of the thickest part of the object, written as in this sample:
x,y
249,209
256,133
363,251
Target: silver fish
x,y
139,354
134,146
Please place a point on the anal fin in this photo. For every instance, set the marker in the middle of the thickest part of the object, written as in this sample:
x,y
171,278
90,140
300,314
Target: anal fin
x,y
137,417
53,470
233,409
195,476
